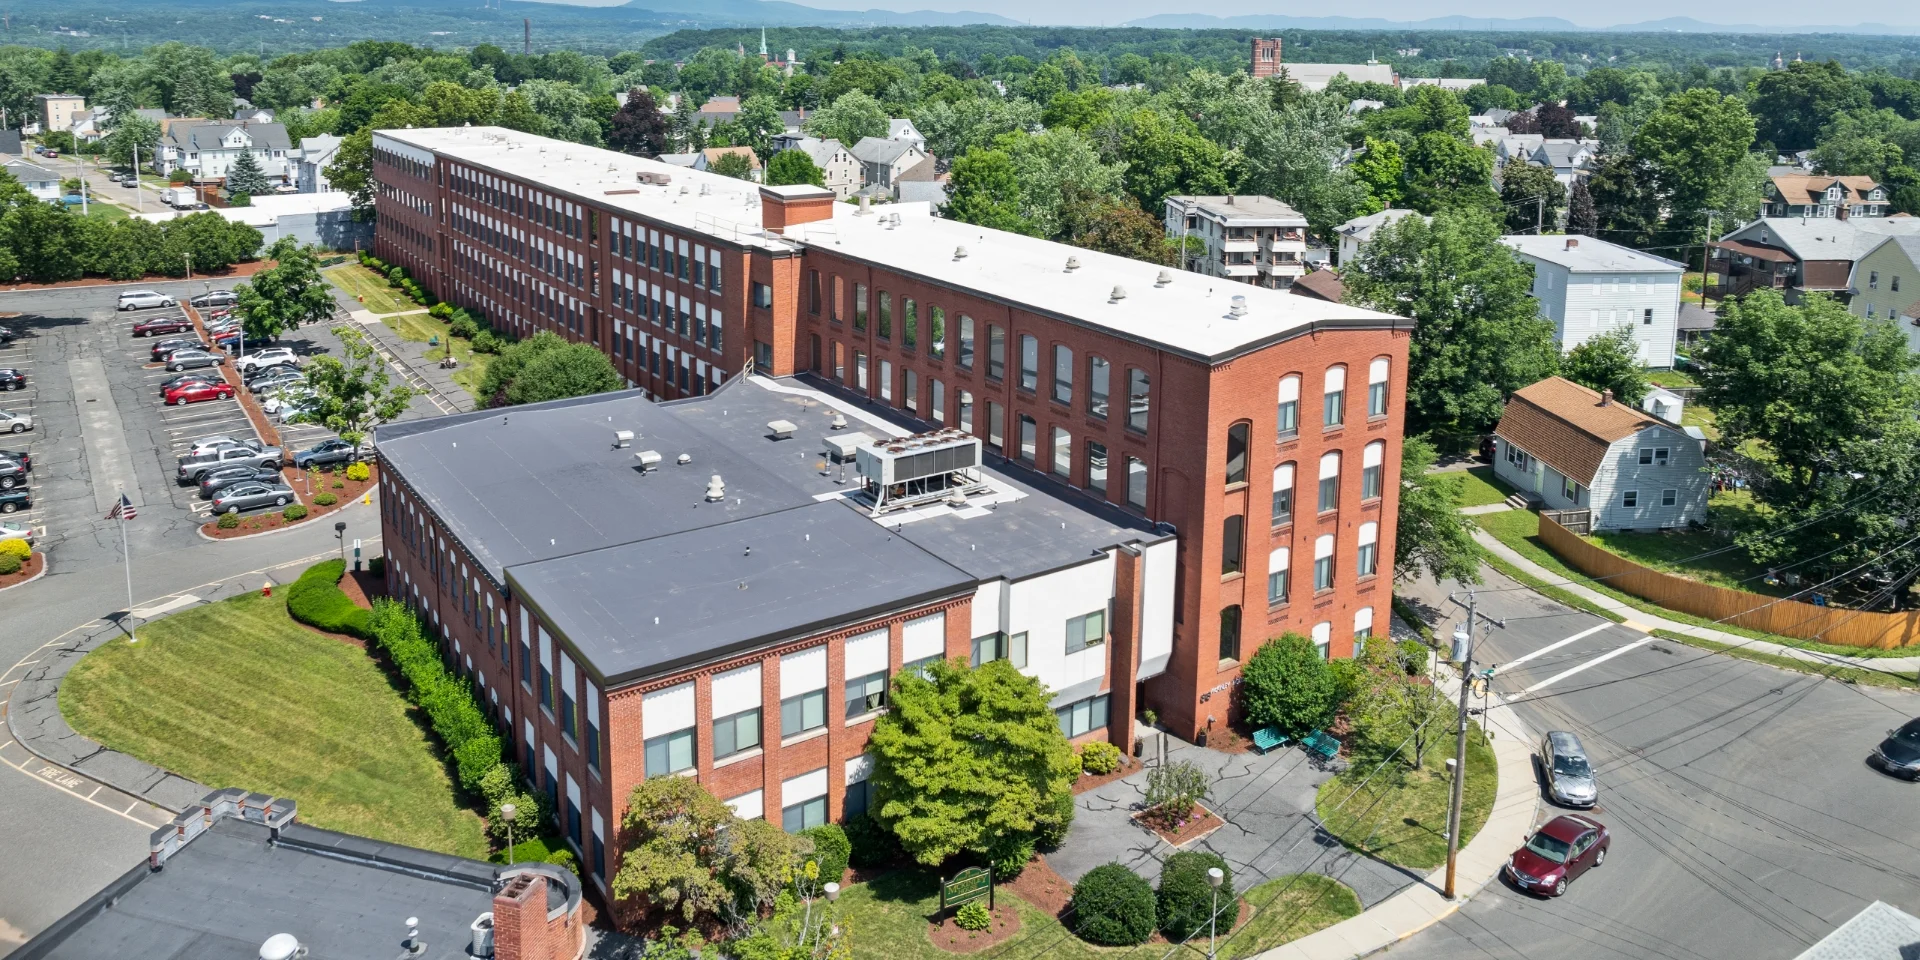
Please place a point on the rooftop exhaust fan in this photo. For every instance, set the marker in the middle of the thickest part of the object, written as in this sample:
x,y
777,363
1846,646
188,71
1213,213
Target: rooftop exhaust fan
x,y
1239,307
1119,293
716,489
1073,263
1165,277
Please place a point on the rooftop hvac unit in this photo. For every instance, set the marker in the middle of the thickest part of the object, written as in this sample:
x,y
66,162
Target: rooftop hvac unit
x,y
912,470
648,459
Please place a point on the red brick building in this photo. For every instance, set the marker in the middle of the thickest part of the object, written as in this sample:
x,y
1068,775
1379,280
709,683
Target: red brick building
x,y
1193,406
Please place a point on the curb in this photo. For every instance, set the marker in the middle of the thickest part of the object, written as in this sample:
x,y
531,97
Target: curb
x,y
46,563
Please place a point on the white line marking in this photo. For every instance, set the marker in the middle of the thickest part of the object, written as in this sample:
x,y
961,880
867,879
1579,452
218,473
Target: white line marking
x,y
1549,648
1596,661
148,613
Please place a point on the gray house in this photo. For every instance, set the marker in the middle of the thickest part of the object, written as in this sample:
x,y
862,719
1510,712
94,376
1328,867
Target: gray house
x,y
883,161
1575,449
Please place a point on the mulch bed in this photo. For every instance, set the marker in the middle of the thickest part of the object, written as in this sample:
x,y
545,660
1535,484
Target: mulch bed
x,y
1088,781
948,936
1192,830
1042,886
350,491
28,571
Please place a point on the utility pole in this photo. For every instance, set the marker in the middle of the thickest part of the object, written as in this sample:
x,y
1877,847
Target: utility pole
x,y
1703,259
1463,653
526,36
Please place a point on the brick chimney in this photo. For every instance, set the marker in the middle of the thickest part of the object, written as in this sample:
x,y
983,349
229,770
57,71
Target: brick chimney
x,y
1573,242
520,919
782,207
1606,398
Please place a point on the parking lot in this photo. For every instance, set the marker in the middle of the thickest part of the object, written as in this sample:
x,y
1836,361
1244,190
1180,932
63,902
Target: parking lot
x,y
101,425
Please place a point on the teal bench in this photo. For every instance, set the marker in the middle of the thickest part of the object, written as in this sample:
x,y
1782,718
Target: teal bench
x,y
1269,738
1321,745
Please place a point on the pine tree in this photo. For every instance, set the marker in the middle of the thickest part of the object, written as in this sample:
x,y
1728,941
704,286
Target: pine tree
x,y
245,176
1581,217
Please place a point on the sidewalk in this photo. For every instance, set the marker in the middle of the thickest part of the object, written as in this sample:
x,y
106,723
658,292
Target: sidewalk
x,y
409,357
1421,905
1647,622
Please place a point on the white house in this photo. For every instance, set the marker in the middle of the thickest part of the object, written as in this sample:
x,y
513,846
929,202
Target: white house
x,y
316,153
905,130
39,181
1566,158
208,150
1575,449
1589,287
839,170
1248,237
1355,233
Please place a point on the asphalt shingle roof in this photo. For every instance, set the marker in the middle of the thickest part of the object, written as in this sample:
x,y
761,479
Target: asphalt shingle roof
x,y
1565,426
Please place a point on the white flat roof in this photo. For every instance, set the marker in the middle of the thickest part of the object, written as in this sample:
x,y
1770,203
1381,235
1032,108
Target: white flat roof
x,y
1591,255
1190,314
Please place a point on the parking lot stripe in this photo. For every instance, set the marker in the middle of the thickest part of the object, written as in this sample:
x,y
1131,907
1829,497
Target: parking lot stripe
x,y
1596,661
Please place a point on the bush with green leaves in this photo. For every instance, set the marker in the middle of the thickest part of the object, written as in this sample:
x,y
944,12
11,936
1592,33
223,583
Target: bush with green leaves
x,y
294,511
377,568
442,312
1113,906
228,521
1285,684
317,601
1174,788
564,857
395,276
325,499
486,341
463,327
869,843
1011,856
831,849
1187,901
1413,653
973,916
9,564
358,471
448,701
1099,758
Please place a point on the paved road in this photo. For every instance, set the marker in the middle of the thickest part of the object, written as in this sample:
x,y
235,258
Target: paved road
x,y
68,836
1746,822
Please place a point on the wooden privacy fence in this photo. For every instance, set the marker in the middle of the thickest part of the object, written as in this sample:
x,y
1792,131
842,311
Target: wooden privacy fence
x,y
1789,618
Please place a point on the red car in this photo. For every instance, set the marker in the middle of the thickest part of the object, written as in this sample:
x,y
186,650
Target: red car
x,y
148,328
194,392
1558,853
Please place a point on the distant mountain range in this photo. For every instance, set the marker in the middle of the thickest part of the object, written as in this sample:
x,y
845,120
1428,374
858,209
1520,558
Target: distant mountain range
x,y
1201,21
779,13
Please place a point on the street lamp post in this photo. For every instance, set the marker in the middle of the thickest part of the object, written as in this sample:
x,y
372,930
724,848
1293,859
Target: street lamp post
x,y
340,534
507,811
1214,877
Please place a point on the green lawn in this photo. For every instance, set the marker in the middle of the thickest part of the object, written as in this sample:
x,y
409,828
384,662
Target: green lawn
x,y
106,211
1479,487
421,328
358,281
888,920
1400,815
1670,378
1732,512
236,694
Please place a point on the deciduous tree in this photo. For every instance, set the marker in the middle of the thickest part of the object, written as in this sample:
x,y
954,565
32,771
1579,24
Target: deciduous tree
x,y
1696,146
1431,537
284,296
1532,197
985,191
1286,684
638,126
794,167
355,389
849,119
1609,361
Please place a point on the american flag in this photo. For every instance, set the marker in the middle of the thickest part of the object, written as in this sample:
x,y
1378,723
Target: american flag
x,y
123,510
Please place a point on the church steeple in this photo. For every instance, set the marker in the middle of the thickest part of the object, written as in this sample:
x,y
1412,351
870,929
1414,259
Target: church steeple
x,y
763,43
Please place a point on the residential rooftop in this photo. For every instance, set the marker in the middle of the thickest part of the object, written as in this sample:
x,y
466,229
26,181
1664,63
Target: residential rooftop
x,y
1590,255
1826,238
1185,314
1243,207
647,572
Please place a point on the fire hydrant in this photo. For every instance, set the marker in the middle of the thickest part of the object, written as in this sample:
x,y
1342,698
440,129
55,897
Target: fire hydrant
x,y
266,589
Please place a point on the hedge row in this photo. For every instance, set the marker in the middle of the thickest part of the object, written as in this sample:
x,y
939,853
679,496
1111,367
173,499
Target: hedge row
x,y
317,601
447,700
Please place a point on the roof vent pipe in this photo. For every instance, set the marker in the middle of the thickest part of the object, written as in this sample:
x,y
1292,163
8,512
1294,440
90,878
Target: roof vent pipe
x,y
282,946
1073,263
960,253
1165,277
866,207
716,489
1119,293
684,459
1239,308
622,439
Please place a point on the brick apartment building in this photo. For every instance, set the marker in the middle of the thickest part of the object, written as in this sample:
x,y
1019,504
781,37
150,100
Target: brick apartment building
x,y
1127,402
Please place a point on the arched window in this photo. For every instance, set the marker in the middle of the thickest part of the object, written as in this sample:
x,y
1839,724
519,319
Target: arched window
x,y
1323,639
1369,552
1237,452
1335,399
1283,494
1323,562
1278,585
1329,481
1362,627
1289,406
1372,470
1377,386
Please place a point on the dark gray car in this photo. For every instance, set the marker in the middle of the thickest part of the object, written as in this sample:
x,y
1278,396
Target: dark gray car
x,y
252,496
1899,753
217,480
1569,775
12,474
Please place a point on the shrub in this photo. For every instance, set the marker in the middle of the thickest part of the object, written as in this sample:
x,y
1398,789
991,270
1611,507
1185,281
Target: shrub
x,y
831,849
1100,757
475,759
441,311
18,548
564,857
317,601
338,484
378,567
1050,824
294,511
869,843
179,178
228,521
1011,856
973,916
1113,906
1286,684
358,471
529,816
528,848
464,328
1186,899
1173,788
447,700
1414,654
9,564
486,342
325,499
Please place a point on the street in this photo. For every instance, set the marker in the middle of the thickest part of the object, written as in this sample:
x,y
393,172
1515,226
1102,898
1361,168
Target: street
x,y
1745,820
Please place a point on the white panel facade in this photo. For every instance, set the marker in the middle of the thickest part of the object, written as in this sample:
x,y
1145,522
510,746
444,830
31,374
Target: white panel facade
x,y
923,637
1156,607
804,787
751,805
736,690
1041,606
803,672
987,600
866,653
664,711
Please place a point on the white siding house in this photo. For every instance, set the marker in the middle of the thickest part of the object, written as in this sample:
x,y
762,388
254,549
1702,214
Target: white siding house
x,y
1590,287
1575,449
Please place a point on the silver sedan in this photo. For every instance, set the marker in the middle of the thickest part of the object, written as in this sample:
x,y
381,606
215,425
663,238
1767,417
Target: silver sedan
x,y
252,496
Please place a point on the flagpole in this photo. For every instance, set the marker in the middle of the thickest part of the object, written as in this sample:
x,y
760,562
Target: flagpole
x,y
126,558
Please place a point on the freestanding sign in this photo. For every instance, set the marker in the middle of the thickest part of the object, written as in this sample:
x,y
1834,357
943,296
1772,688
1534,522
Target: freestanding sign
x,y
968,885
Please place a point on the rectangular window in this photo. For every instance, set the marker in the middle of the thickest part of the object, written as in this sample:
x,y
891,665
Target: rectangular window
x,y
1277,578
1138,399
965,359
1137,483
1669,497
910,389
860,370
1283,494
1029,362
1089,630
1029,439
966,411
996,353
1323,573
1097,466
1329,493
1570,489
1371,476
1377,399
1099,372
670,753
885,328
937,402
762,295
909,323
1062,454
859,306
858,798
1062,374
1335,401
1630,498
1233,535
886,379
1646,317
813,292
1084,716
736,733
1000,646
804,815
866,694
996,426
808,711
936,332
1230,632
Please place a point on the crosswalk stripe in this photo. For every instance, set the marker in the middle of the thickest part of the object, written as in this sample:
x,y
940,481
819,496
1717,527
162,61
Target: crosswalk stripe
x,y
1596,661
1551,647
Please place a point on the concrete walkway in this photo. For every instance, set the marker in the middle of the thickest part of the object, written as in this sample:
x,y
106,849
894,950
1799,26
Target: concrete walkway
x,y
1647,622
1486,508
1420,905
408,357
